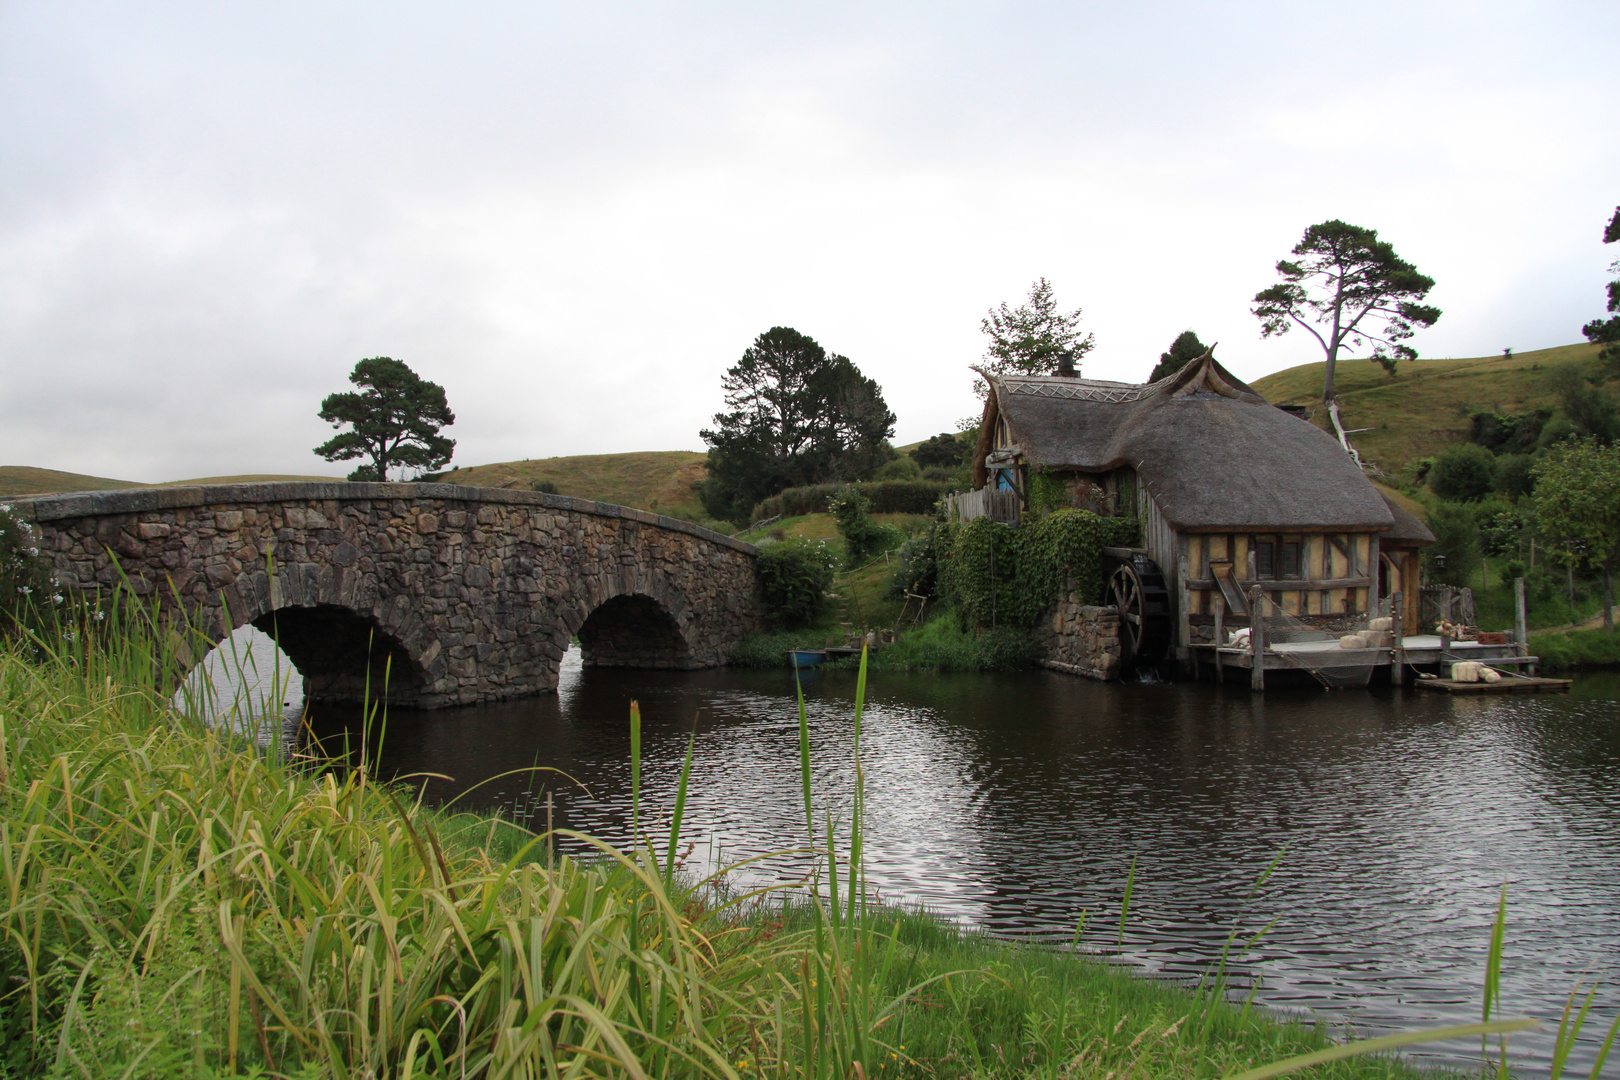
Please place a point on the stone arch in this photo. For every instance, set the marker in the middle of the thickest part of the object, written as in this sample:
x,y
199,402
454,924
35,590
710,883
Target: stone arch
x,y
634,630
344,656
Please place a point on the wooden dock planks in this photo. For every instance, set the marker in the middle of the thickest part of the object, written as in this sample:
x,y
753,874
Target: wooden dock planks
x,y
1510,684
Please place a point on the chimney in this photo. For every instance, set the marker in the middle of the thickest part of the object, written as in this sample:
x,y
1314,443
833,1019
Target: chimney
x,y
1066,364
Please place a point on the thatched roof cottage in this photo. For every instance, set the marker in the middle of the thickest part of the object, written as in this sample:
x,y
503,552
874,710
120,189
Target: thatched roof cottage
x,y
1231,492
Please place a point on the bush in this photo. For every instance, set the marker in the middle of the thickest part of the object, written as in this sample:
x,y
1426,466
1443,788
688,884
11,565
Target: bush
x,y
770,650
25,577
1456,537
918,569
546,486
794,576
1463,472
887,497
1513,476
901,468
863,537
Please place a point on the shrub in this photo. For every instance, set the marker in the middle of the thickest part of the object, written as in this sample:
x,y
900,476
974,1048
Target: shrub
x,y
918,569
546,486
794,577
887,497
1463,472
25,577
863,537
942,645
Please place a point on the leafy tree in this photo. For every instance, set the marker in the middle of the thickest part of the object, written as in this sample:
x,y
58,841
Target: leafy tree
x,y
395,420
1184,349
1348,289
795,415
1578,507
1463,472
1513,475
944,449
1456,539
1588,410
1607,331
1035,338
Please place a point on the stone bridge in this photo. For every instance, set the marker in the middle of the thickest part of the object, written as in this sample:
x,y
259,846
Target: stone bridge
x,y
463,594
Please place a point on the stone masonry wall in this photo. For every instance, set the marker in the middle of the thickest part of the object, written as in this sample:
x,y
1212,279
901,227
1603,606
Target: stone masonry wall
x,y
1081,639
479,589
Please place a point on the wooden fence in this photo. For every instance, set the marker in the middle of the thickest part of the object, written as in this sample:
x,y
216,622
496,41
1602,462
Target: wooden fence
x,y
997,505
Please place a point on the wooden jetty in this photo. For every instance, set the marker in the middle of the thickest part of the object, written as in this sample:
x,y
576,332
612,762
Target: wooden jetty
x,y
1509,684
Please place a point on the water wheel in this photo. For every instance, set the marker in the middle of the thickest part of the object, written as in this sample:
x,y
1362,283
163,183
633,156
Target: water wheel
x,y
1136,590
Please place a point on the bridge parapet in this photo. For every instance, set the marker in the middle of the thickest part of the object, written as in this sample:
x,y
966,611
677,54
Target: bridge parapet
x,y
470,594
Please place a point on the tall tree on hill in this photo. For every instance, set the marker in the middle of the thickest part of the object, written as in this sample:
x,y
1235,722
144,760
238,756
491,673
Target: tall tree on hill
x,y
1034,338
394,421
1183,350
1606,332
1348,289
1578,507
795,414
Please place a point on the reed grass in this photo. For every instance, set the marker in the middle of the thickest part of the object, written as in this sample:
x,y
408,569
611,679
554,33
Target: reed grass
x,y
177,902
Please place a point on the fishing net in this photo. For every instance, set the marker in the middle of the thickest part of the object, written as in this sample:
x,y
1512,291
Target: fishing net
x,y
1338,650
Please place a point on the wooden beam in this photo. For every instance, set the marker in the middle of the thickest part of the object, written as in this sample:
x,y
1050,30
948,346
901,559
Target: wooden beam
x,y
1220,637
1288,584
1257,639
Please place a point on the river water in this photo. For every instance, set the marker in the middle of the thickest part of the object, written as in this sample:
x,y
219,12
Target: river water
x,y
1017,802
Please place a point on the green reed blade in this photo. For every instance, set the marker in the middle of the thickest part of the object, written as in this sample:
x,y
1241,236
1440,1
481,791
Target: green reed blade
x,y
1125,904
680,810
1374,1046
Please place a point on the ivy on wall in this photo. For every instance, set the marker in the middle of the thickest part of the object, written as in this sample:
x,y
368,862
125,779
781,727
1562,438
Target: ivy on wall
x,y
994,574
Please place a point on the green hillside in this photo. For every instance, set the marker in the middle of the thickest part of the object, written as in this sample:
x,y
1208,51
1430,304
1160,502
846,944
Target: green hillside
x,y
659,480
26,480
1429,404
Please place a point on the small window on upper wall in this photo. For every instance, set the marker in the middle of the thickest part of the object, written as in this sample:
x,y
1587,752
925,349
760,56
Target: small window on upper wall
x,y
1290,559
1265,558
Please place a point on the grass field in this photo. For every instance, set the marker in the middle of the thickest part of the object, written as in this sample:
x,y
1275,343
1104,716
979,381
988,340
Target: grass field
x,y
1429,404
25,480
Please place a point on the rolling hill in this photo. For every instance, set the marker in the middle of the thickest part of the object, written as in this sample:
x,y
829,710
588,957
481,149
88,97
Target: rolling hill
x,y
1429,404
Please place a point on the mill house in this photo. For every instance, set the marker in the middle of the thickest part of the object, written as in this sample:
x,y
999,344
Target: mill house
x,y
1231,493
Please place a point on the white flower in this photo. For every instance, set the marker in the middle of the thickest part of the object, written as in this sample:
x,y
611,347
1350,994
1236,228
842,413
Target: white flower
x,y
100,615
56,598
25,590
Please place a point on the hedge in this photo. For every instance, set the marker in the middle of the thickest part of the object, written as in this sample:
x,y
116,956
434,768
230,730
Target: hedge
x,y
887,496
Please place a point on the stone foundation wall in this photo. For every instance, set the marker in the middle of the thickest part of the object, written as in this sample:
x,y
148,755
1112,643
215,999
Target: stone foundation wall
x,y
475,592
1081,639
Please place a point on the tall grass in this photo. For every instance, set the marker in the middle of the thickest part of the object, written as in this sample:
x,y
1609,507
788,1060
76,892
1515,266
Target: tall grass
x,y
174,902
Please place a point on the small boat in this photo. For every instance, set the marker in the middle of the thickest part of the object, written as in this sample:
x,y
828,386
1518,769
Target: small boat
x,y
803,658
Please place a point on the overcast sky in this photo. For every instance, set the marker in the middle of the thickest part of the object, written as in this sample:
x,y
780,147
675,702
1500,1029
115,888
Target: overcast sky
x,y
577,216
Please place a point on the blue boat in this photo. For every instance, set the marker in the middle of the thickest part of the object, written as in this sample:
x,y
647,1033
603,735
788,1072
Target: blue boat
x,y
803,658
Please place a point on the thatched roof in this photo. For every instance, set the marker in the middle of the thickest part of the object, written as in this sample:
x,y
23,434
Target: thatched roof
x,y
1408,531
1215,455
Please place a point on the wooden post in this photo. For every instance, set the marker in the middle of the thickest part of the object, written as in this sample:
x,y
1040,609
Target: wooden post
x,y
1257,638
1521,624
1183,615
1220,636
1397,655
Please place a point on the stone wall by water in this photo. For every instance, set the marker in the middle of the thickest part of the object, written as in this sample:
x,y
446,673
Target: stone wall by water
x,y
1081,639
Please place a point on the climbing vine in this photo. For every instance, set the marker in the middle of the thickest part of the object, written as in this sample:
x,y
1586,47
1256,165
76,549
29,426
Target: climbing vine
x,y
994,574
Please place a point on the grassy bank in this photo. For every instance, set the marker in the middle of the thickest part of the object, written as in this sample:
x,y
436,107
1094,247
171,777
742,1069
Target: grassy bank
x,y
178,905
1568,650
938,645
